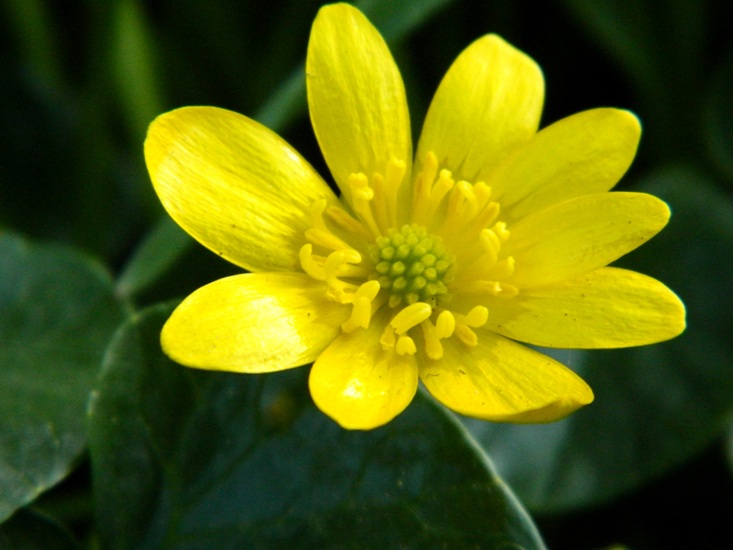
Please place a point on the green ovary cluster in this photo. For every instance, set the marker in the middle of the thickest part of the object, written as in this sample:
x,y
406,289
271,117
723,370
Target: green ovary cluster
x,y
412,266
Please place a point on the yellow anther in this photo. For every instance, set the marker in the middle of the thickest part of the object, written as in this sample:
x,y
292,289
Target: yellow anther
x,y
348,223
411,316
444,184
405,346
393,176
501,231
429,192
487,215
361,195
433,334
310,263
332,268
477,317
466,335
324,238
361,314
502,269
320,234
491,244
359,184
445,324
482,191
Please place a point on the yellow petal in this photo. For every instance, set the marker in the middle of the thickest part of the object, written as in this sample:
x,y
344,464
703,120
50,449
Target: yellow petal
x,y
233,185
488,104
356,98
359,384
581,154
502,381
255,322
607,308
580,235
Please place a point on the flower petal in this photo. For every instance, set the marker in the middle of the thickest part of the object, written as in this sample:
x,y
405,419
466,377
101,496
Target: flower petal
x,y
578,155
580,235
356,98
359,384
502,381
607,308
488,104
233,185
255,322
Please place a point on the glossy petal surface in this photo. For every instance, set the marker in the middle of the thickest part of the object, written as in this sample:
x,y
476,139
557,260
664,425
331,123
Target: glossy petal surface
x,y
356,98
256,322
502,381
232,184
607,308
487,105
359,384
578,155
580,235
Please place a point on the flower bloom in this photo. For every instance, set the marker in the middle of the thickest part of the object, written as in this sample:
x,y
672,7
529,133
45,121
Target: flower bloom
x,y
432,268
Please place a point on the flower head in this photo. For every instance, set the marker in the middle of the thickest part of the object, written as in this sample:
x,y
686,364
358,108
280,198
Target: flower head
x,y
432,268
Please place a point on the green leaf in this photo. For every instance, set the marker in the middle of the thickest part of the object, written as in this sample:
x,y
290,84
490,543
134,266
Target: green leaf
x,y
189,459
30,530
656,406
57,314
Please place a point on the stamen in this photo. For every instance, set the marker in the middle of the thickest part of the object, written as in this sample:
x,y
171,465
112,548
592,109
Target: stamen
x,y
405,346
378,204
348,223
423,183
443,328
334,263
392,182
445,324
491,244
466,335
411,316
362,311
310,263
477,317
320,234
361,194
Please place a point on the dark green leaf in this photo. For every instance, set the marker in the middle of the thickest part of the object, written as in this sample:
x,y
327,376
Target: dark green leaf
x,y
29,530
187,459
57,314
656,406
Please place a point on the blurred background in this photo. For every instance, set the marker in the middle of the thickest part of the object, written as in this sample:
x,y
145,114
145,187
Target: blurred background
x,y
651,465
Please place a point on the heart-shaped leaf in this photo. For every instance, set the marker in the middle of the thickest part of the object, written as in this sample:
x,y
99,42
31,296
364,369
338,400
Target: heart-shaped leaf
x,y
191,459
57,315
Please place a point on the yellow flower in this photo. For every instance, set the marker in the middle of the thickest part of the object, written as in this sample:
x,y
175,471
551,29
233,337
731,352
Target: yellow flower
x,y
433,268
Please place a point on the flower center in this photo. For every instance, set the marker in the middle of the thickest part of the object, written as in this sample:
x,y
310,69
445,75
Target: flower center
x,y
387,248
411,265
